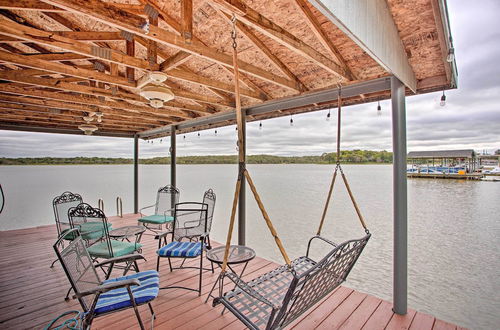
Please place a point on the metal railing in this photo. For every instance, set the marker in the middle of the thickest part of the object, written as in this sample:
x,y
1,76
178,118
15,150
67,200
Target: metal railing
x,y
100,204
119,207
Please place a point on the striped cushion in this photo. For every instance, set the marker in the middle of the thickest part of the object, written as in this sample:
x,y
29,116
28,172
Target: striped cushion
x,y
180,249
119,298
157,219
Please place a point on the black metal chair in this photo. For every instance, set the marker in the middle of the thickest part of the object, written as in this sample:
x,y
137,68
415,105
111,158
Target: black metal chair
x,y
166,198
94,228
61,205
188,215
98,298
277,298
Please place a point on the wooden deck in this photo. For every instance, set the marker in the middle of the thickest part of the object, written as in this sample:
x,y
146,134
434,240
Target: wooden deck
x,y
31,294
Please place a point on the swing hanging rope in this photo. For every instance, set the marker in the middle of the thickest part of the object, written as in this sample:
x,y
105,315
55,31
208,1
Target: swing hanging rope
x,y
338,167
243,172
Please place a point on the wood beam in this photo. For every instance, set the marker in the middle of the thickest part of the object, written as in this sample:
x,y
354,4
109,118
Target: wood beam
x,y
13,29
130,72
57,56
174,61
267,27
28,61
32,5
152,48
120,19
369,23
315,27
187,20
263,48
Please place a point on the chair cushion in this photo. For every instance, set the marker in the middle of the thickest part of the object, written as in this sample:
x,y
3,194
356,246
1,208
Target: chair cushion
x,y
92,229
156,219
119,298
100,250
180,249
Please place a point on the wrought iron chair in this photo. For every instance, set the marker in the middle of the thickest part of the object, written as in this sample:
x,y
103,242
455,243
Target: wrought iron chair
x,y
61,204
166,198
94,228
187,215
275,299
194,229
99,298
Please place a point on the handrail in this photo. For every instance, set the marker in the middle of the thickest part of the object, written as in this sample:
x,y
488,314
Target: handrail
x,y
100,204
119,207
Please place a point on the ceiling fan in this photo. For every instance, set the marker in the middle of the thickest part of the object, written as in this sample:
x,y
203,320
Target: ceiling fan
x,y
151,88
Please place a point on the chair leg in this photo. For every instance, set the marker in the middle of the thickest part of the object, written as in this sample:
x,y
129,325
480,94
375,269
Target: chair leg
x,y
67,294
53,263
201,271
136,266
158,264
135,309
170,265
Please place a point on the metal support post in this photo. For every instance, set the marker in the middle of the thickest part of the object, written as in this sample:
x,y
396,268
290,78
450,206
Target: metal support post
x,y
136,173
173,160
399,197
242,197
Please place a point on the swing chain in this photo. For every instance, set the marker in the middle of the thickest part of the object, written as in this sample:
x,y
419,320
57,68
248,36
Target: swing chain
x,y
233,32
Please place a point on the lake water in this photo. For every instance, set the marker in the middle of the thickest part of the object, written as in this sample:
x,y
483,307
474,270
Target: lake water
x,y
453,225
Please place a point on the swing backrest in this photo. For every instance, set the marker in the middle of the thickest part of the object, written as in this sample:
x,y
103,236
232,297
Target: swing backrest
x,y
310,287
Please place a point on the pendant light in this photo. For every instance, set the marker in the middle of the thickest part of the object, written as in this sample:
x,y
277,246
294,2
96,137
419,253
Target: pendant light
x,y
443,100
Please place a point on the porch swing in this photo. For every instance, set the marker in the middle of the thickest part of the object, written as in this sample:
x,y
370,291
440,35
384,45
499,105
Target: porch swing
x,y
277,298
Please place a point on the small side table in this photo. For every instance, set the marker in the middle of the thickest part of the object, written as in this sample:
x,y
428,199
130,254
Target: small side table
x,y
124,233
238,254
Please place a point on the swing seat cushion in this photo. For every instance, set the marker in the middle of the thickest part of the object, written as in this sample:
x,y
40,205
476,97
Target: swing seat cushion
x,y
180,249
157,219
120,298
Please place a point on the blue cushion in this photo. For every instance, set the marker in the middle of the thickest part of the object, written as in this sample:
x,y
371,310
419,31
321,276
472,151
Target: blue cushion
x,y
180,249
119,298
157,219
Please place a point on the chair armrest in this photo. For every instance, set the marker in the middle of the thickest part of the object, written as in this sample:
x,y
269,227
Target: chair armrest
x,y
128,257
249,290
166,211
108,287
146,207
161,235
320,238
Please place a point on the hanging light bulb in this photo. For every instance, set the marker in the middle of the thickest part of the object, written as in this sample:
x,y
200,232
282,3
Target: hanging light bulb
x,y
443,100
291,120
328,115
260,125
451,55
161,140
379,109
184,137
198,135
215,132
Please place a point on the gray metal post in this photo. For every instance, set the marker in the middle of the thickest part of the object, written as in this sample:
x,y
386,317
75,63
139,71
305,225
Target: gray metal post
x,y
173,160
136,173
242,197
399,197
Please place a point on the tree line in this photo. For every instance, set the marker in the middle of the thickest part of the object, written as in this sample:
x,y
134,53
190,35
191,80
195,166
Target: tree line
x,y
346,156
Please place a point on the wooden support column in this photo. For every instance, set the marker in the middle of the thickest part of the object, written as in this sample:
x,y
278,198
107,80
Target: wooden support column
x,y
136,173
130,52
187,20
173,157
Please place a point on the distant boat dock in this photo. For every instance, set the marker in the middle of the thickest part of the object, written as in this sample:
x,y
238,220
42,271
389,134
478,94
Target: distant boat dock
x,y
453,164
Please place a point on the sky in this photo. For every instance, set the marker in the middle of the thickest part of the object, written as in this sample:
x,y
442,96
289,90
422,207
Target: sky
x,y
470,119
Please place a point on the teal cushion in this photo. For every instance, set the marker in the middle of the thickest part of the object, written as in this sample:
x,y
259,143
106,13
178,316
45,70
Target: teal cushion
x,y
100,250
157,219
92,229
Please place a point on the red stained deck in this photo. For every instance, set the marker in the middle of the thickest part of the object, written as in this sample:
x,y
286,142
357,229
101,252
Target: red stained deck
x,y
31,294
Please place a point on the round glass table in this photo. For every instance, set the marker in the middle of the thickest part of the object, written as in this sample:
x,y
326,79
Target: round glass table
x,y
127,231
238,254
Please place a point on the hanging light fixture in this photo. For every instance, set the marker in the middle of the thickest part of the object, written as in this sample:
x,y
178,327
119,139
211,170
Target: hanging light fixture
x,y
99,115
161,140
443,100
198,135
87,128
215,132
451,55
291,120
379,109
328,115
260,125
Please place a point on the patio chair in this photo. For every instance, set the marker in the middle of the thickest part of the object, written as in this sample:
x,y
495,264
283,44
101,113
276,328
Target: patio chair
x,y
194,229
187,215
94,228
61,204
166,198
99,298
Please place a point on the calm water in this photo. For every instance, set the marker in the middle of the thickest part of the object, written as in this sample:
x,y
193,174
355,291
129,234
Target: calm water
x,y
453,225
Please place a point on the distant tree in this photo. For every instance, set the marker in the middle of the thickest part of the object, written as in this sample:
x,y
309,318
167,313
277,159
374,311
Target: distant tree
x,y
497,152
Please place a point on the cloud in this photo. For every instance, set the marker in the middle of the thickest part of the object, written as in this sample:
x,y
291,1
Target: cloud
x,y
471,118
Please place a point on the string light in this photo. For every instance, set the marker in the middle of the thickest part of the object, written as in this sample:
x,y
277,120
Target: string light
x,y
161,140
260,125
443,100
291,120
328,115
198,135
379,109
215,132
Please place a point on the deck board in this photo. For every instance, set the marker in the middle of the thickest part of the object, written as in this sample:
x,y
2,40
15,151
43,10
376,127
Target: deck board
x,y
31,293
